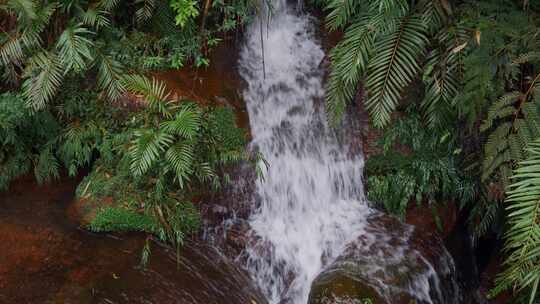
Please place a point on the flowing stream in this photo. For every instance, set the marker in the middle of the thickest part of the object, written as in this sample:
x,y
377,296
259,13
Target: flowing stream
x,y
312,200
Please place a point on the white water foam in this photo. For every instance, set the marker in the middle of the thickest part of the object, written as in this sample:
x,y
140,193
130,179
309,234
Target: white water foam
x,y
312,199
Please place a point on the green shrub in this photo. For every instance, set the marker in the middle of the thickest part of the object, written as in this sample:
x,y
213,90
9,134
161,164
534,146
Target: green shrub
x,y
428,170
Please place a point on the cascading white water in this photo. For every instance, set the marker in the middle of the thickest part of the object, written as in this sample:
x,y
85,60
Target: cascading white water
x,y
312,200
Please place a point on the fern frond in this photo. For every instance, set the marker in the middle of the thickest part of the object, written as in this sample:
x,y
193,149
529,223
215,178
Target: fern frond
x,y
96,18
503,107
47,166
495,149
74,48
146,11
43,77
109,77
341,12
393,68
517,116
522,265
77,143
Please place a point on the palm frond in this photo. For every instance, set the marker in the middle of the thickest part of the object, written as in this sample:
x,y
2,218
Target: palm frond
x,y
351,57
12,51
186,123
154,91
180,157
146,149
527,57
341,12
108,5
443,74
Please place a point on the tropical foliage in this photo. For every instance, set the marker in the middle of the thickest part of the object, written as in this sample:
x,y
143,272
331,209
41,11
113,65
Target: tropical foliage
x,y
72,96
522,238
384,44
416,165
478,68
160,160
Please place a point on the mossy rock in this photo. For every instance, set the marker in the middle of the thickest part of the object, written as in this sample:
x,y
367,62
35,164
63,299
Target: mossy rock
x,y
340,288
389,263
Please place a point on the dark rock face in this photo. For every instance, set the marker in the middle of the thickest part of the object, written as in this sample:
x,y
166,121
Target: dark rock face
x,y
391,263
225,214
422,217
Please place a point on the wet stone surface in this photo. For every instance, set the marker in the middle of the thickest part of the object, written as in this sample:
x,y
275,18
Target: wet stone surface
x,y
391,263
46,258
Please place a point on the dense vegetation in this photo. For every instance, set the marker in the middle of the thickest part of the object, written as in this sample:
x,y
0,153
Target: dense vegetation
x,y
455,85
474,120
74,96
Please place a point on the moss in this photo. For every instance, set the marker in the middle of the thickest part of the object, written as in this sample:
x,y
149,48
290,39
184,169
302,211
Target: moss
x,y
222,125
111,202
121,219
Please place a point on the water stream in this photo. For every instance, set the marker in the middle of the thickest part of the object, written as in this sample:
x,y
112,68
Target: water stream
x,y
312,200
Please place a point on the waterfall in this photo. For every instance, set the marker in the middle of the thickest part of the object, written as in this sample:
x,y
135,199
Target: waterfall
x,y
312,199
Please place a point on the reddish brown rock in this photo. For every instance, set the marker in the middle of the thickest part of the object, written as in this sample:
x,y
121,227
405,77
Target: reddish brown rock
x,y
45,258
441,219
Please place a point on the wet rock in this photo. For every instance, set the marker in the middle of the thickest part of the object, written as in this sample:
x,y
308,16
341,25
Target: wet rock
x,y
225,215
389,263
45,258
83,210
442,218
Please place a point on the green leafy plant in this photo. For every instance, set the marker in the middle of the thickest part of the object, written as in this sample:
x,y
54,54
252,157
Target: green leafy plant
x,y
498,99
416,165
383,44
522,238
160,159
24,140
185,10
47,62
518,123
